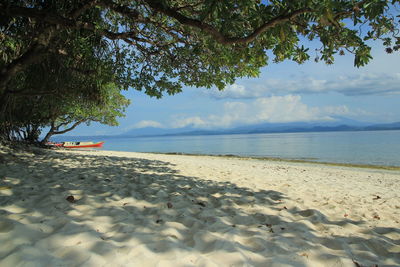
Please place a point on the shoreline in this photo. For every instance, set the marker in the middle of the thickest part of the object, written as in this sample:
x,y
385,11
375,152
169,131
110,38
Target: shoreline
x,y
276,159
100,207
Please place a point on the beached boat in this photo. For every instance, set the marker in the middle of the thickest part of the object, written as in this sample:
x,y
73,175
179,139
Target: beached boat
x,y
79,144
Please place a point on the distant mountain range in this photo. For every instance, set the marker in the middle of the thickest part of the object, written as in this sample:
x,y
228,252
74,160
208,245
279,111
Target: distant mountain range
x,y
341,124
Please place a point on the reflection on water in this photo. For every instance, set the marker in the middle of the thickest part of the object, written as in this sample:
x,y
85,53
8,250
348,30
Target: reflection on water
x,y
373,147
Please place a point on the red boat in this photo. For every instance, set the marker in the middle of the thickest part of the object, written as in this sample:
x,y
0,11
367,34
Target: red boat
x,y
79,144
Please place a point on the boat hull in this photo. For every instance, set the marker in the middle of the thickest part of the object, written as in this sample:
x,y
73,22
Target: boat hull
x,y
79,144
98,144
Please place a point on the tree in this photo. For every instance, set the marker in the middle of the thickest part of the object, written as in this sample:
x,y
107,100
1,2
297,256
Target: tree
x,y
71,76
75,86
71,114
62,113
160,45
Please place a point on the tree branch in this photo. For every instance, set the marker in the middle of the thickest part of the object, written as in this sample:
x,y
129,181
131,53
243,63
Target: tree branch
x,y
35,53
123,10
217,35
55,19
85,6
40,15
157,6
23,93
356,8
70,128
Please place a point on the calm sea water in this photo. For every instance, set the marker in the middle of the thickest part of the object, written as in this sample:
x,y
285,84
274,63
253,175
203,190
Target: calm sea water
x,y
374,147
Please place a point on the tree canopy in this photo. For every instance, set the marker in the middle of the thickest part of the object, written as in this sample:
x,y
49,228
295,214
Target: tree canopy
x,y
159,46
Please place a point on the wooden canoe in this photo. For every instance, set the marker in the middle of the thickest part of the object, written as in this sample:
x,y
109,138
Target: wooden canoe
x,y
81,144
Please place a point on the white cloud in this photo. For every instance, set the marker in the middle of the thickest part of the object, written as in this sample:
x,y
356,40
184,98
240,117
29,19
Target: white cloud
x,y
273,109
231,114
285,109
239,91
235,91
146,123
351,85
180,122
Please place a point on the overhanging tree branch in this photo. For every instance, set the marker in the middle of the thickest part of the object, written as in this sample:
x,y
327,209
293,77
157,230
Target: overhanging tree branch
x,y
70,128
82,8
157,6
63,22
54,130
32,55
121,9
217,35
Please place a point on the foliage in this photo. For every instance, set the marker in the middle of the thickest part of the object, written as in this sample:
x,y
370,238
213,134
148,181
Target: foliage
x,y
62,92
159,46
70,113
62,113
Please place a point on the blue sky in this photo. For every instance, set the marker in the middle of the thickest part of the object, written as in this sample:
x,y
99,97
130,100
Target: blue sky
x,y
284,92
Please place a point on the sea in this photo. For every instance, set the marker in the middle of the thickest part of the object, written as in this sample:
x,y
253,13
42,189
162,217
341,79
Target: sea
x,y
361,147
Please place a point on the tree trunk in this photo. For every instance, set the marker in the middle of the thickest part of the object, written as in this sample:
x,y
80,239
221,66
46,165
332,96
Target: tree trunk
x,y
47,137
54,130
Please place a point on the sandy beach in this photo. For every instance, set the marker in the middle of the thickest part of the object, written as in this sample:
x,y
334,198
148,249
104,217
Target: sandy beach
x,y
103,208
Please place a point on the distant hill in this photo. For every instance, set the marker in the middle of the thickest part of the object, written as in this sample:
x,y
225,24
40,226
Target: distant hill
x,y
151,131
388,126
339,125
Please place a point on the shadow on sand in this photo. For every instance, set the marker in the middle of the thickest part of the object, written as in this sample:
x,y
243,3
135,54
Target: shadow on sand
x,y
128,209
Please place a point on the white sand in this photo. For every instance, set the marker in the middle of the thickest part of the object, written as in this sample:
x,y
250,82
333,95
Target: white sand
x,y
136,209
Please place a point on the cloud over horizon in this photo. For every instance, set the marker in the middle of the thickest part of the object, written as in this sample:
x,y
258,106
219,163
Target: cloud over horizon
x,y
144,124
275,109
349,85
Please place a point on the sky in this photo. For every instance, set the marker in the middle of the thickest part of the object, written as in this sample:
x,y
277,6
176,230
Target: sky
x,y
284,92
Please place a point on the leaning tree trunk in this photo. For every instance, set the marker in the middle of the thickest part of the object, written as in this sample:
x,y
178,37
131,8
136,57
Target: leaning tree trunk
x,y
54,129
51,132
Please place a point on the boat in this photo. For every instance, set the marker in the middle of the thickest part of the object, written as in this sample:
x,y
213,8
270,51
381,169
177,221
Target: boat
x,y
78,144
